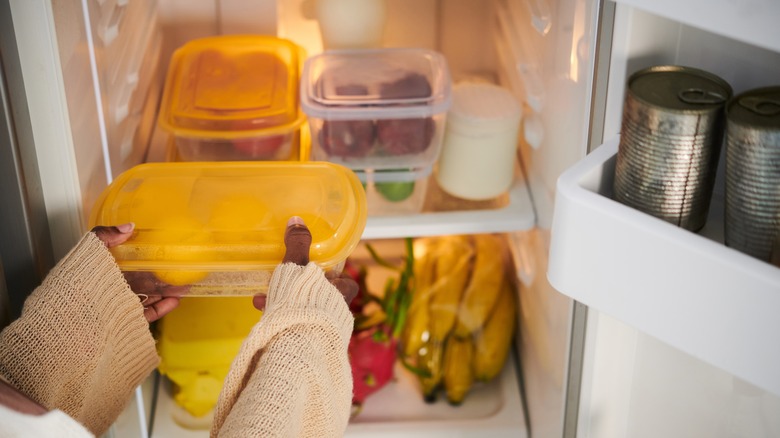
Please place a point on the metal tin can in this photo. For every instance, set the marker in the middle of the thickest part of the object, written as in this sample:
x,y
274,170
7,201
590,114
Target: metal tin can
x,y
752,221
671,133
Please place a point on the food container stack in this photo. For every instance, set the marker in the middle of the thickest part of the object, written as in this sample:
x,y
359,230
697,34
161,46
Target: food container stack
x,y
380,112
234,98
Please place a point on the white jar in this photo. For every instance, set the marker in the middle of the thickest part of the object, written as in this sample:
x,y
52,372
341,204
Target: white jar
x,y
478,155
351,24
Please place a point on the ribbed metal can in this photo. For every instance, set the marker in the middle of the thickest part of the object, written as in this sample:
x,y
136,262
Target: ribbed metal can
x,y
752,220
671,134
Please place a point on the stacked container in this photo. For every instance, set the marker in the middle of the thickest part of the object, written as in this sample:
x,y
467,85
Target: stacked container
x,y
217,228
380,112
234,98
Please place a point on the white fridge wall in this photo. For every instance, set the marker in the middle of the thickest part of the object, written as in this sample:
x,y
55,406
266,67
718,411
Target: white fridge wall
x,y
641,387
637,385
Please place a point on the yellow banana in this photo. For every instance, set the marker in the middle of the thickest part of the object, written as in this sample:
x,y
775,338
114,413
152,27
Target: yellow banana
x,y
493,342
484,286
430,360
453,266
416,332
458,372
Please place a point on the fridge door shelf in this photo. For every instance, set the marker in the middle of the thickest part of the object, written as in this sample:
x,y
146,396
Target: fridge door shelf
x,y
494,409
753,22
686,289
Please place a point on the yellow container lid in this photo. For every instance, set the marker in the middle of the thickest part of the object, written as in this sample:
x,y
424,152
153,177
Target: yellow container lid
x,y
233,86
198,222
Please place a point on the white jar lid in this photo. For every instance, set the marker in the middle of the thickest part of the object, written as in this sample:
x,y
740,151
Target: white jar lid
x,y
481,107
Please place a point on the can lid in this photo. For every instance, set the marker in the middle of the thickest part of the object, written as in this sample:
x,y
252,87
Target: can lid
x,y
483,107
233,86
759,107
679,88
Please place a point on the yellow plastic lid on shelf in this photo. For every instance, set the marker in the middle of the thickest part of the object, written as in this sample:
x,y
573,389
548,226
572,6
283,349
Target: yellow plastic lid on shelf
x,y
218,227
233,86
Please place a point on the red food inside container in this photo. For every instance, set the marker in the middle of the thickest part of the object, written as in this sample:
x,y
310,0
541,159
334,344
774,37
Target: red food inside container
x,y
405,136
347,138
259,148
408,87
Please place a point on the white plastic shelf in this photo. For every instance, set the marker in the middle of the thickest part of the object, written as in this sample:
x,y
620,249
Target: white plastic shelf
x,y
750,21
494,410
517,215
686,289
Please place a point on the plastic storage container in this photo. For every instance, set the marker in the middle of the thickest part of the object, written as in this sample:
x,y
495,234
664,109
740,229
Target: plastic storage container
x,y
217,228
380,112
234,97
480,143
197,343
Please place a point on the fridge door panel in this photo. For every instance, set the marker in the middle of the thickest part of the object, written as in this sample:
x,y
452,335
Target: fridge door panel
x,y
686,289
751,21
45,131
642,387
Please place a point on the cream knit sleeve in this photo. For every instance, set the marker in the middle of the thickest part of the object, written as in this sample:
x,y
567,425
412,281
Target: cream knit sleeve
x,y
82,344
292,376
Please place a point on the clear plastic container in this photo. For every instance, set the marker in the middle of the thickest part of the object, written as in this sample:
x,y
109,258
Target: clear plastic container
x,y
380,112
197,343
217,228
234,98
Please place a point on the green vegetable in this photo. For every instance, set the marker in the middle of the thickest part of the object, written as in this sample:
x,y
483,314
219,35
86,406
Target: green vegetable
x,y
395,191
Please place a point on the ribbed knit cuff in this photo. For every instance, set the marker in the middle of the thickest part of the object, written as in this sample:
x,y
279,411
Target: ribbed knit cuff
x,y
82,343
90,267
305,287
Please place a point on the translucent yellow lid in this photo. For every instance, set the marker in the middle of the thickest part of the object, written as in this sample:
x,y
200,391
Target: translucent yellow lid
x,y
195,223
233,86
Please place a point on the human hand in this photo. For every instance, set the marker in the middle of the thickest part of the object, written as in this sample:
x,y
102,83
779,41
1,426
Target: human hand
x,y
158,298
297,240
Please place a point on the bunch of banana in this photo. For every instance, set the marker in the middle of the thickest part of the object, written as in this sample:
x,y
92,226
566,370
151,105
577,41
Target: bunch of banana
x,y
462,316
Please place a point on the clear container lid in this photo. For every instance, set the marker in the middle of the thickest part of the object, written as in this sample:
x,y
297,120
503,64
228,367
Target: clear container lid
x,y
233,86
231,216
364,84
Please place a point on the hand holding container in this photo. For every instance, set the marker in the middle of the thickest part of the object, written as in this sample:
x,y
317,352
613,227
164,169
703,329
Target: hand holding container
x,y
216,228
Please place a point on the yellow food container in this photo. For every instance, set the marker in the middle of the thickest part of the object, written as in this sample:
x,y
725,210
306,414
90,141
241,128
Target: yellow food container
x,y
217,228
234,97
197,343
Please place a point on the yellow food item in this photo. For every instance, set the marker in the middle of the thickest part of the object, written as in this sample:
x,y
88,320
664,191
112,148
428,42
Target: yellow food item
x,y
484,287
198,342
453,266
430,360
416,330
458,373
493,342
179,239
236,218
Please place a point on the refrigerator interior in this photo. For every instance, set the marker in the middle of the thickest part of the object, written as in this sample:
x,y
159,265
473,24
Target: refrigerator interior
x,y
682,337
103,62
92,81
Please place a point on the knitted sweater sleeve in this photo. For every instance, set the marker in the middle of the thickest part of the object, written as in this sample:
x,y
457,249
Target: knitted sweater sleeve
x,y
292,375
82,344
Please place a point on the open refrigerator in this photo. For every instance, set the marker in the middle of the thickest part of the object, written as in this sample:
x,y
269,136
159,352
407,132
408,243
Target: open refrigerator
x,y
628,326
